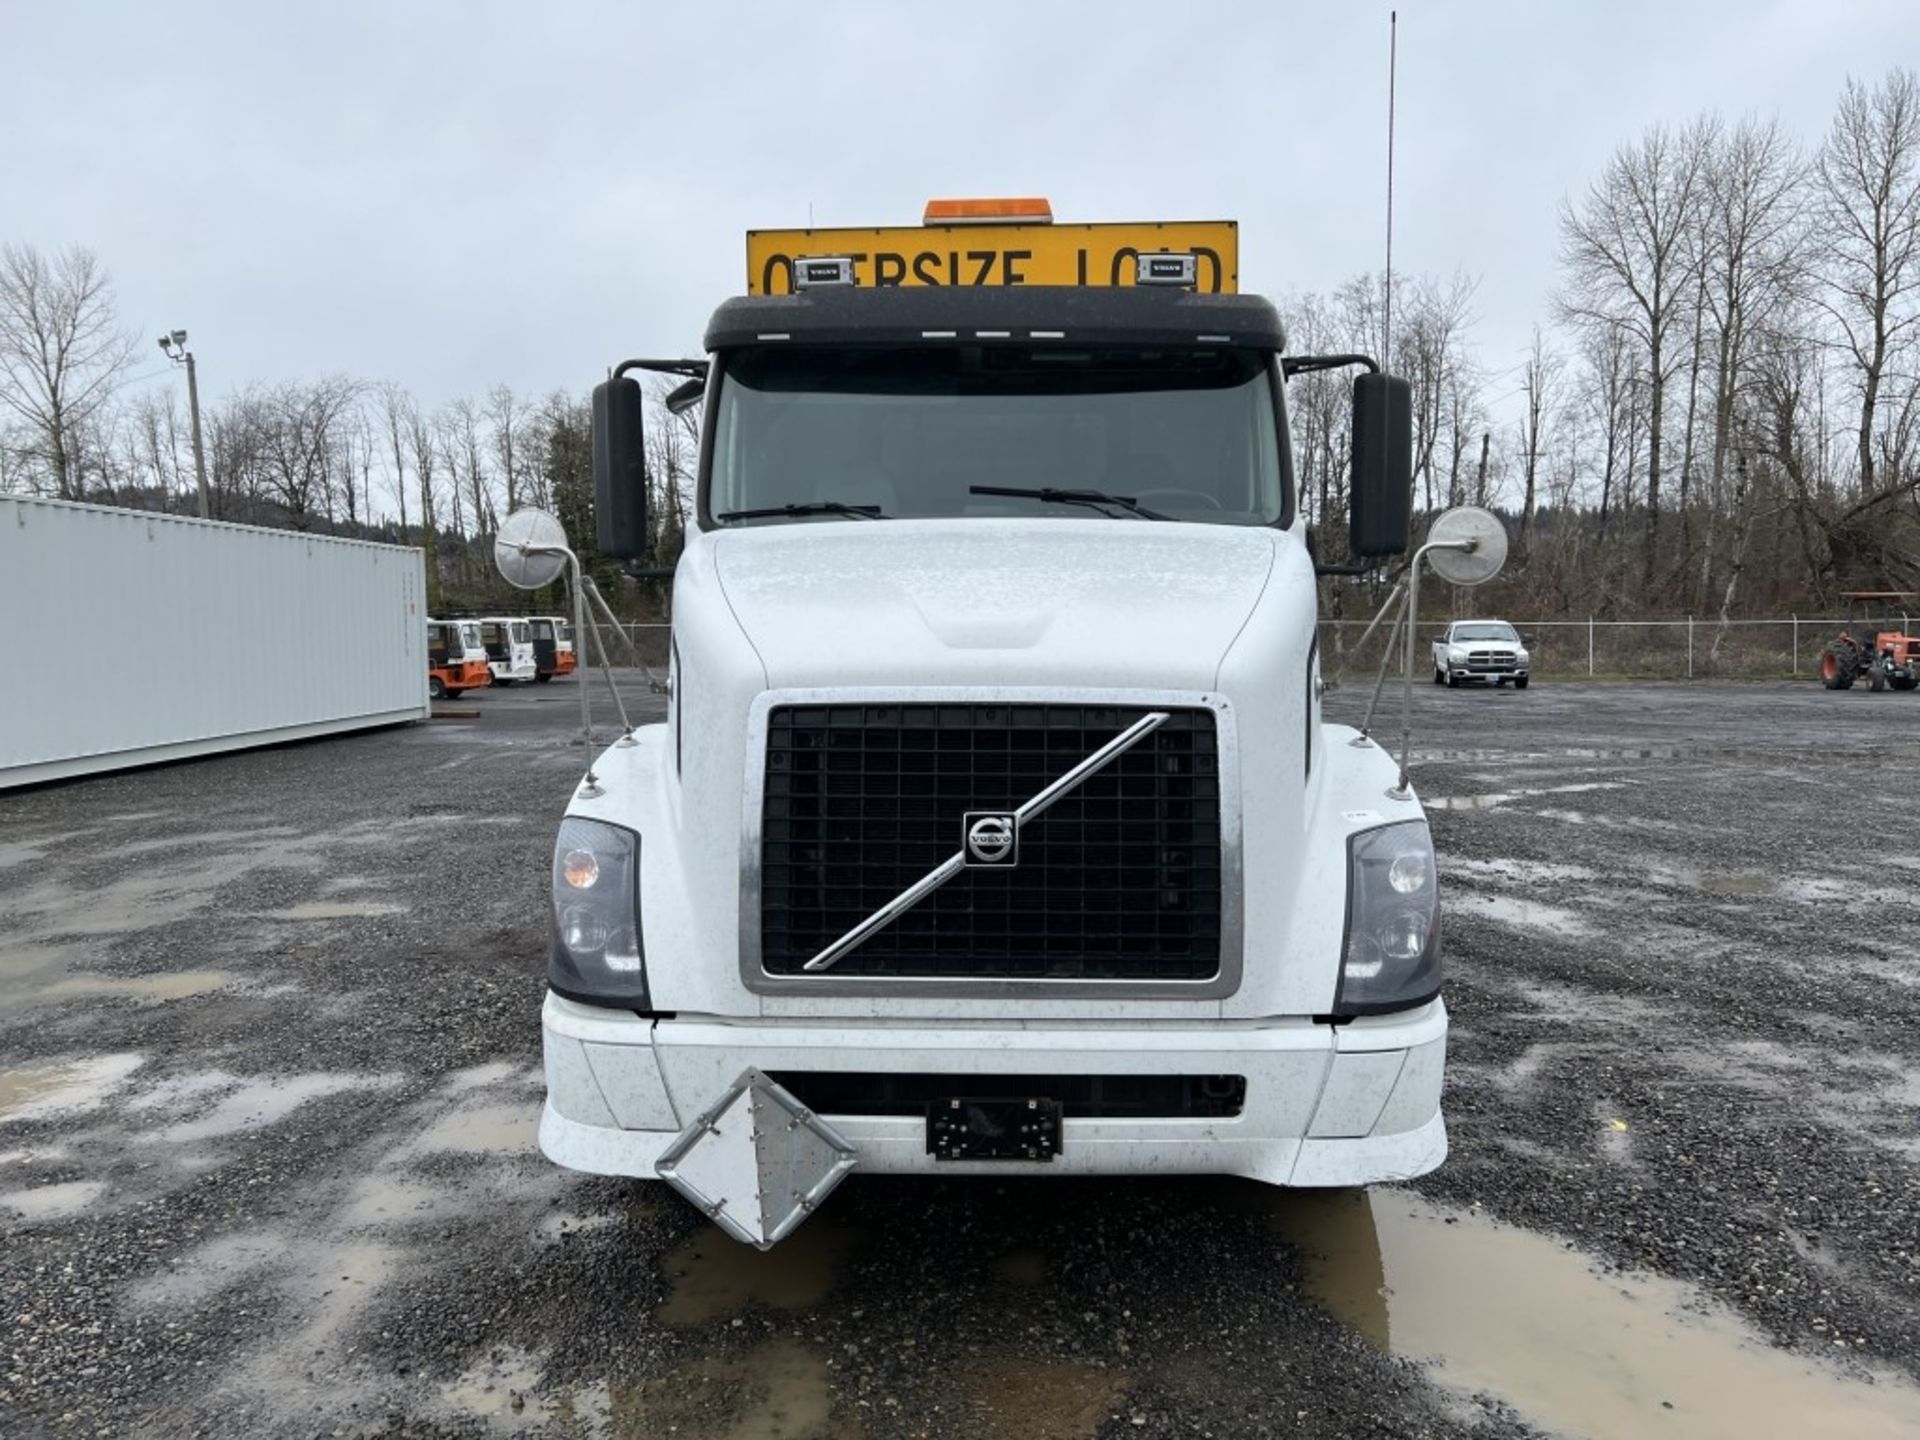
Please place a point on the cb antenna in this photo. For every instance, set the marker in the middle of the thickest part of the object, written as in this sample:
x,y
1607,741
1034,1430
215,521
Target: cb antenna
x,y
1393,65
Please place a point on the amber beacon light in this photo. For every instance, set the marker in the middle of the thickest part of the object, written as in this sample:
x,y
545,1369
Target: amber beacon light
x,y
1029,211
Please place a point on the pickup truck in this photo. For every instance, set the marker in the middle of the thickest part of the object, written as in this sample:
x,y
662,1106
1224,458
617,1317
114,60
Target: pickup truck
x,y
1480,650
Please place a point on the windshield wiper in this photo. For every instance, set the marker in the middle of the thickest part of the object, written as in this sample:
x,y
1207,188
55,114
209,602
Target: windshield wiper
x,y
1092,499
810,507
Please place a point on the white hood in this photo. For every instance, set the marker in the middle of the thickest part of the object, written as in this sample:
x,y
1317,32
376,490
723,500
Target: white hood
x,y
1090,602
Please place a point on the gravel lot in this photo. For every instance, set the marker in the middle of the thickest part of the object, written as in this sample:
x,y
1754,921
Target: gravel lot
x,y
271,1069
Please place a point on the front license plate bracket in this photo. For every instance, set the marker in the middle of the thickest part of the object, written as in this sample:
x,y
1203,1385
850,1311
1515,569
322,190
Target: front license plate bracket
x,y
993,1129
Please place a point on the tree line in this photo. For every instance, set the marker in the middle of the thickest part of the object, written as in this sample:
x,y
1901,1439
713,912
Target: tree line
x,y
1718,414
337,454
1721,412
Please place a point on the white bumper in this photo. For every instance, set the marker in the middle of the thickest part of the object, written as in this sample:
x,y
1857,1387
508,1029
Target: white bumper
x,y
1356,1104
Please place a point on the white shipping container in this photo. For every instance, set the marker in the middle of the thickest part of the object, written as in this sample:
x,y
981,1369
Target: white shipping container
x,y
133,637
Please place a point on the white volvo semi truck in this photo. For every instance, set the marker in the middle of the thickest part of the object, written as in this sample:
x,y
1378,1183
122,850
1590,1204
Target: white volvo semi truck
x,y
993,826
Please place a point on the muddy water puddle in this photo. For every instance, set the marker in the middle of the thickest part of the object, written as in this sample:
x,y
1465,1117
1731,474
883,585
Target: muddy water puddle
x,y
47,974
1518,912
781,1390
1505,1311
250,1103
63,1087
1019,1399
711,1276
509,1128
1495,799
335,910
53,1202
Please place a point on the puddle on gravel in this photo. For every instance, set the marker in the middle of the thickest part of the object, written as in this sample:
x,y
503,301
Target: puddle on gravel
x,y
1502,1310
385,1199
711,1276
1021,1399
1740,883
498,1393
63,1087
53,1202
19,852
484,1130
195,1275
1022,1269
1507,797
47,974
1637,824
1526,872
781,1390
335,910
1512,910
261,1101
177,985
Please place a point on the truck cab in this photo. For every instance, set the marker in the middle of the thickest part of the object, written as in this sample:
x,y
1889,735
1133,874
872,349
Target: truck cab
x,y
993,821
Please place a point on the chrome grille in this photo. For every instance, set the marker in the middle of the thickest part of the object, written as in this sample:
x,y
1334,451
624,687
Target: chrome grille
x,y
1119,880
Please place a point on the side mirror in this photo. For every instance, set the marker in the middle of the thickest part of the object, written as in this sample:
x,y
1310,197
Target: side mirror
x,y
619,469
1380,512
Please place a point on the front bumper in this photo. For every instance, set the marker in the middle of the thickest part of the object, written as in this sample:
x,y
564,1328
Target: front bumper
x,y
1355,1104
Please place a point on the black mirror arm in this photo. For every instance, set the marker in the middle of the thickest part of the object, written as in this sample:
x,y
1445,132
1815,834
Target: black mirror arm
x,y
1291,365
694,369
1362,567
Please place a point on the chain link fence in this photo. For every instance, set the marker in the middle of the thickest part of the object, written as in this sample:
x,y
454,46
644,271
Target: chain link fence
x,y
649,638
1683,649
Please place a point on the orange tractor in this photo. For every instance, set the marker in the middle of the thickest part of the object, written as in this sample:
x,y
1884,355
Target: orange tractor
x,y
1870,646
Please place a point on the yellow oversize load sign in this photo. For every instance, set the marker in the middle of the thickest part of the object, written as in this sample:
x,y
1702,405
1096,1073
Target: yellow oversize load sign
x,y
997,254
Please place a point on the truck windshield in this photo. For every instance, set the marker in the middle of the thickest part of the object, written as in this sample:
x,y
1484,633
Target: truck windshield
x,y
1489,630
1190,434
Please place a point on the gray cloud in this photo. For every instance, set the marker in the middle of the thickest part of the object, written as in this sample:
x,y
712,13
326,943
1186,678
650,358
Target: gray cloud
x,y
454,194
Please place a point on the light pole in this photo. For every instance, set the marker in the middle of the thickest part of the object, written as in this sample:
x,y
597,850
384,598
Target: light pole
x,y
174,347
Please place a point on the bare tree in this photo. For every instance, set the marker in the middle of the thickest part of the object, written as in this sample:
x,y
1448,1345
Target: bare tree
x,y
1868,180
1628,260
61,350
1541,381
509,415
1752,233
300,441
420,439
236,454
395,407
1429,348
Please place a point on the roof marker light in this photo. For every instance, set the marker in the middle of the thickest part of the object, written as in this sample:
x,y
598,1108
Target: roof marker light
x,y
1030,210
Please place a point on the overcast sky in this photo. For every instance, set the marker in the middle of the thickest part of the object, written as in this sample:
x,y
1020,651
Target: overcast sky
x,y
451,195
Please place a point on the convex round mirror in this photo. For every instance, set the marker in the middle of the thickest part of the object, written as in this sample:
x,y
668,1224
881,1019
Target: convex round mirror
x,y
531,549
1483,540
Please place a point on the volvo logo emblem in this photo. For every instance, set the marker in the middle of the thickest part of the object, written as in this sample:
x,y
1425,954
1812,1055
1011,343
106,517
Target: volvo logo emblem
x,y
992,838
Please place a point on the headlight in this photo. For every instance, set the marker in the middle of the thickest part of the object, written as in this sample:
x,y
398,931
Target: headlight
x,y
1521,656
1456,655
597,956
1392,957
